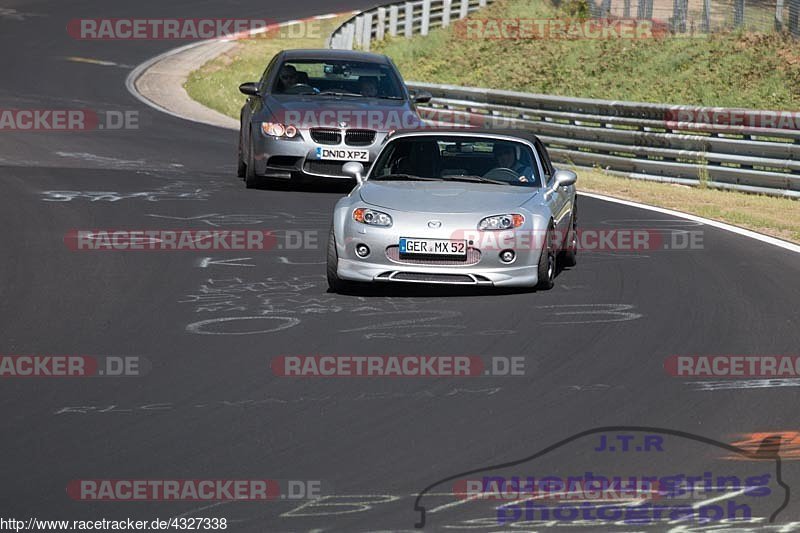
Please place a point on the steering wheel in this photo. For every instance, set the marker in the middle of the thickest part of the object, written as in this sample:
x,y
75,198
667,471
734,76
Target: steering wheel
x,y
502,173
298,88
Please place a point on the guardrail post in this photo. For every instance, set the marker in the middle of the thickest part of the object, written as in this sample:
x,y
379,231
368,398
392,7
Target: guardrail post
x,y
779,15
394,13
381,29
366,39
738,13
409,27
349,35
626,9
359,30
644,10
447,6
605,9
679,9
706,24
794,17
426,17
464,9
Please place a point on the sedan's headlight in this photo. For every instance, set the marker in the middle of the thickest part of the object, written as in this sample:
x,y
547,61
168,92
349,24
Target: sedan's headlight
x,y
276,129
371,217
501,222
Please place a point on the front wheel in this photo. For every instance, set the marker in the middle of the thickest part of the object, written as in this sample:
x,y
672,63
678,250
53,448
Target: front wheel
x,y
251,179
335,283
547,263
241,166
569,257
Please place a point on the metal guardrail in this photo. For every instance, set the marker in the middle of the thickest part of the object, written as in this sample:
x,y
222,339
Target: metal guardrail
x,y
403,18
638,140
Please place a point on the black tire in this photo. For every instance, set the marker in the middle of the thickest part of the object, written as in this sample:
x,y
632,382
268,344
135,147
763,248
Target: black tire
x,y
241,166
251,180
547,263
569,257
335,283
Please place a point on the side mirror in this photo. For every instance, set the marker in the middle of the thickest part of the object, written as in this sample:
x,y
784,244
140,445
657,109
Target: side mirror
x,y
565,178
422,97
354,170
250,88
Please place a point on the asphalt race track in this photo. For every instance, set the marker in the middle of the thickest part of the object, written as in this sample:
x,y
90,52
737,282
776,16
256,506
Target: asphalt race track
x,y
210,406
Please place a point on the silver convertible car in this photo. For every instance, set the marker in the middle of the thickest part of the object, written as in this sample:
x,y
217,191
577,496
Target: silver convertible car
x,y
455,206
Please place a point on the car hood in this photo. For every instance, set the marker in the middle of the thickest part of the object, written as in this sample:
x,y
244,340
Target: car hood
x,y
444,197
328,112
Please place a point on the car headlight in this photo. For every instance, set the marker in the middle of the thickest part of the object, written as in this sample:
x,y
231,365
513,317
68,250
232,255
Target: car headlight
x,y
501,222
371,217
276,129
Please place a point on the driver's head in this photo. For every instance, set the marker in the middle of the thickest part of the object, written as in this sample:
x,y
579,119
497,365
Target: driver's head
x,y
368,86
505,154
288,76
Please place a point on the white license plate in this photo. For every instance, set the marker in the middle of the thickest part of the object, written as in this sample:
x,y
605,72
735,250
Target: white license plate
x,y
343,154
432,247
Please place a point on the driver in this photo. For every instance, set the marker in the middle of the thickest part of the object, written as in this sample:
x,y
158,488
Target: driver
x,y
506,157
288,77
368,86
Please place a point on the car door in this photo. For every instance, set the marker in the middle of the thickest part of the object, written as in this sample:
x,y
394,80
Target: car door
x,y
559,197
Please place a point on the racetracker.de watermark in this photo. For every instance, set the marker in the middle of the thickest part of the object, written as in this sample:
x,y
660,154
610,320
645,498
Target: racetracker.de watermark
x,y
396,366
725,119
585,240
559,28
71,366
153,240
193,489
733,366
72,120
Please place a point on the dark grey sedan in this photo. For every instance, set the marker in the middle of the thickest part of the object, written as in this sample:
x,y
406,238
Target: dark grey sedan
x,y
313,111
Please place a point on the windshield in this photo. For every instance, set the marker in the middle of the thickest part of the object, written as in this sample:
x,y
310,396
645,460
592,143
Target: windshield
x,y
352,79
472,159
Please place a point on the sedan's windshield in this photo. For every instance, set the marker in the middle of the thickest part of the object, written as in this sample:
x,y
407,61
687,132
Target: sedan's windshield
x,y
330,78
459,158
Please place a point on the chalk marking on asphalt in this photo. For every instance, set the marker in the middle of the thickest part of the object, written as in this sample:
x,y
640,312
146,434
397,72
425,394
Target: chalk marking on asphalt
x,y
207,261
92,61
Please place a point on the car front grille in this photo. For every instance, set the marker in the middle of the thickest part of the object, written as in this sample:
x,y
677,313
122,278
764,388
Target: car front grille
x,y
393,254
326,136
327,168
359,137
432,278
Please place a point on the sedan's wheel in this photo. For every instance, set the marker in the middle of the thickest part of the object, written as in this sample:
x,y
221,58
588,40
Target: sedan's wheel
x,y
547,263
569,257
251,180
241,166
335,283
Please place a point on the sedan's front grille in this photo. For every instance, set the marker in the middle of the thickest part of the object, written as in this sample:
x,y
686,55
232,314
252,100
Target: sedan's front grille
x,y
359,137
326,136
393,254
327,168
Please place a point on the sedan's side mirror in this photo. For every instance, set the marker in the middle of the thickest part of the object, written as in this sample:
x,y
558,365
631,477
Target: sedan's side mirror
x,y
421,97
565,178
250,88
354,170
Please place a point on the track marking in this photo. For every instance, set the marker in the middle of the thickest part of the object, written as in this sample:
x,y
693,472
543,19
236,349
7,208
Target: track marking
x,y
786,245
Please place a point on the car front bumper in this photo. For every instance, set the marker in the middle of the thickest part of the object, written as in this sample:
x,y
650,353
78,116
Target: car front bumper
x,y
482,266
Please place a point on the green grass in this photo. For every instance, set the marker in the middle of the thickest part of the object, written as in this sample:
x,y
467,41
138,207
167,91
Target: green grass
x,y
729,69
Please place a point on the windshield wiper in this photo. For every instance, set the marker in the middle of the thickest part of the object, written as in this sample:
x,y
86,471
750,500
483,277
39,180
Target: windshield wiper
x,y
334,93
409,177
476,179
